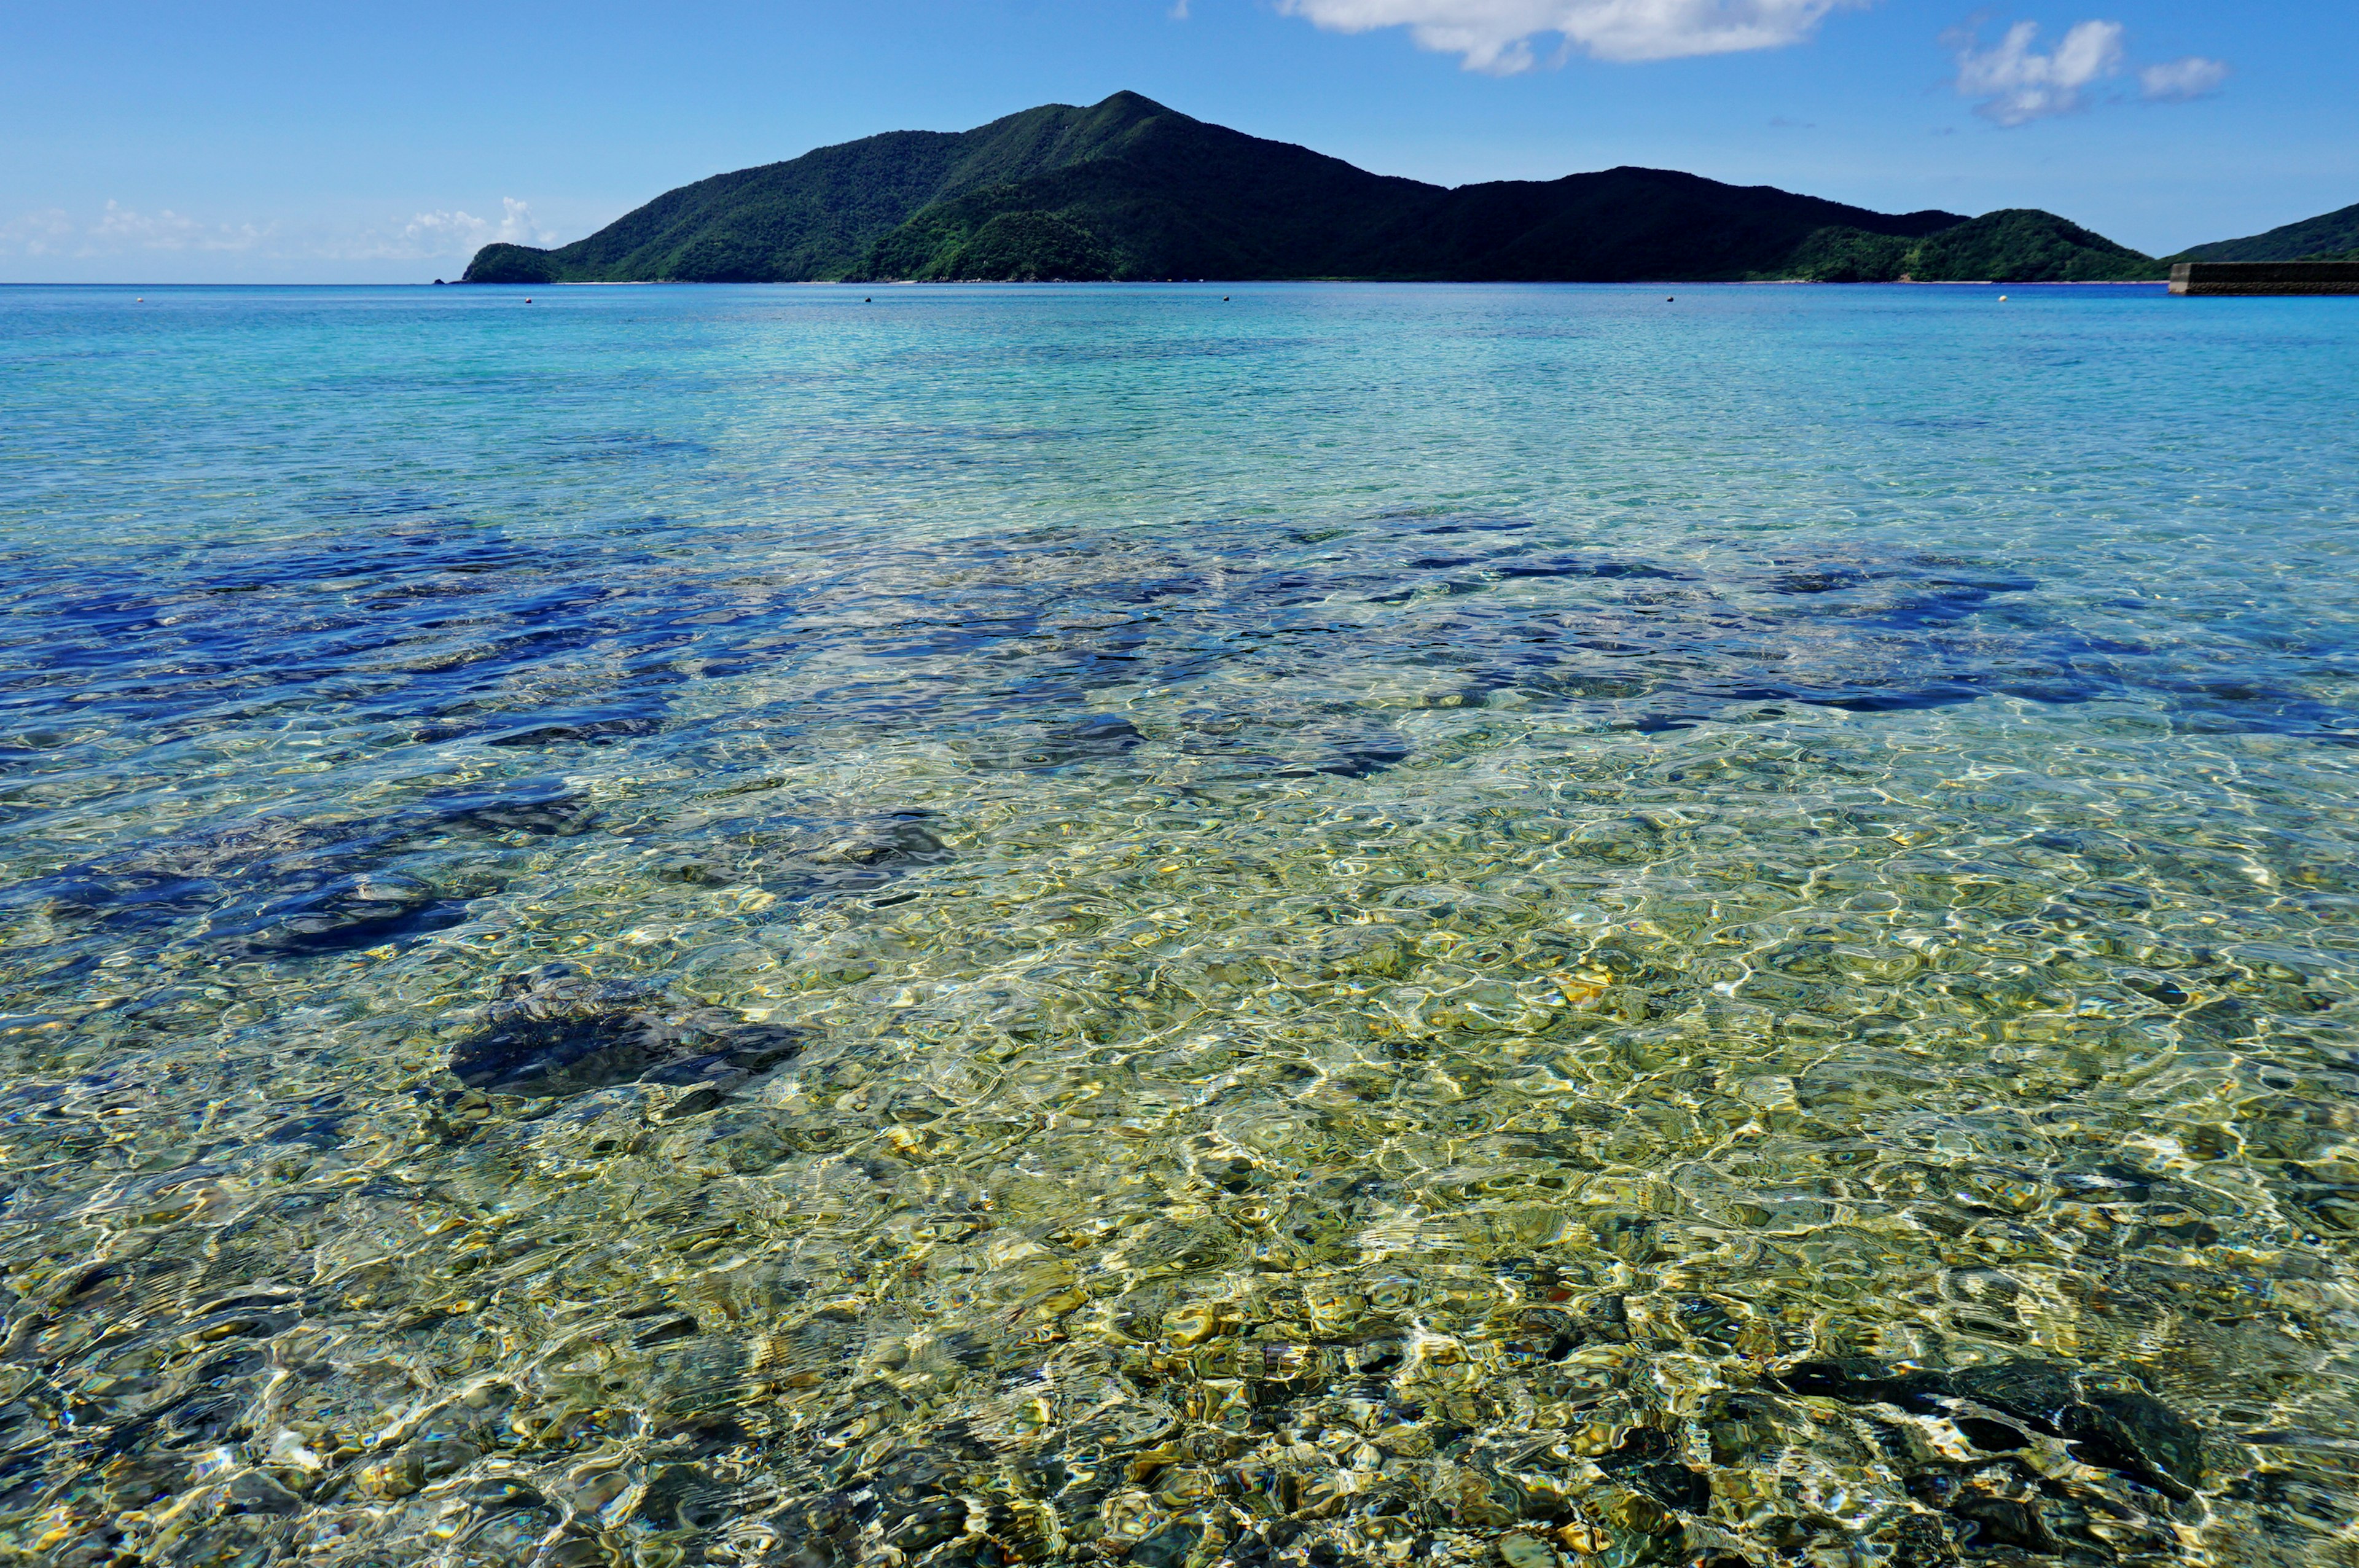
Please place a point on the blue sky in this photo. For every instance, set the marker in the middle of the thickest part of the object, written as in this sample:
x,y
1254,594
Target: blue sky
x,y
364,142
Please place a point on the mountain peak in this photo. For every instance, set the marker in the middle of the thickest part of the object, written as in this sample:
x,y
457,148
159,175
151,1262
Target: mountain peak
x,y
1132,103
1128,187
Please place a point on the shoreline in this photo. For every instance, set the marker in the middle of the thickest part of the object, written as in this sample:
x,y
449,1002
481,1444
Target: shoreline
x,y
1244,283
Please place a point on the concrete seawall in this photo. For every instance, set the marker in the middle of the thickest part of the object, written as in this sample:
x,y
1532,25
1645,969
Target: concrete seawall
x,y
2265,277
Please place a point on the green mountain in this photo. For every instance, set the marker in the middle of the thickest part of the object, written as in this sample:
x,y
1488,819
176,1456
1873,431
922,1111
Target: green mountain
x,y
816,216
2330,236
2018,244
1128,188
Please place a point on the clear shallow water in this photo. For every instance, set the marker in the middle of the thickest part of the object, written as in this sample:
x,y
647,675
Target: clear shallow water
x,y
1359,924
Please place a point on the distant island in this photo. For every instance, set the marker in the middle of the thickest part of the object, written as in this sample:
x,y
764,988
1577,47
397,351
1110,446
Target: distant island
x,y
1128,189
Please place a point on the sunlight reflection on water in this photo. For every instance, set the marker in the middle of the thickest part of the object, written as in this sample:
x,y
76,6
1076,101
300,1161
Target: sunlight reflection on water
x,y
1455,924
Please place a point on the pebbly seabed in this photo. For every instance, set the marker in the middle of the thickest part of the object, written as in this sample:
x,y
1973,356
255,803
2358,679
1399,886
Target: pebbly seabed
x,y
1364,924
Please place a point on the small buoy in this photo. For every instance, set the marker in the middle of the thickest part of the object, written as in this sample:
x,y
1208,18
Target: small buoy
x,y
2002,299
1225,299
870,300
527,299
1668,297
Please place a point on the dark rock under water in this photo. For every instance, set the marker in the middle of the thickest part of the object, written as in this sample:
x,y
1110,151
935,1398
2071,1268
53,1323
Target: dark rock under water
x,y
555,1032
2110,1421
286,886
342,912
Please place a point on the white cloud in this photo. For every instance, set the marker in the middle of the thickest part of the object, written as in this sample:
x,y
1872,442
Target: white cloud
x,y
2182,80
44,233
459,232
1496,36
118,230
121,229
2017,84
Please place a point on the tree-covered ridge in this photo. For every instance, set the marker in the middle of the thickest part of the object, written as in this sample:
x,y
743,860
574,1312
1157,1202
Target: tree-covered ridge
x,y
2018,244
816,216
2330,236
1129,189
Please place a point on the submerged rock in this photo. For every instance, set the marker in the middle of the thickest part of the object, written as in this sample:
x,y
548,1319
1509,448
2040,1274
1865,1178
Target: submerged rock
x,y
1647,1462
896,840
797,854
549,807
598,728
2109,1419
282,886
340,914
2130,1430
555,1032
1098,738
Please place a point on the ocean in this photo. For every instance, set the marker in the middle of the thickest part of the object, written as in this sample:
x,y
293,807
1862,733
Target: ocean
x,y
1195,924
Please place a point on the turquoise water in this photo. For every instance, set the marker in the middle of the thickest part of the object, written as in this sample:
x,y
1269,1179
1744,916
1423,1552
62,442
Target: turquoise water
x,y
1335,925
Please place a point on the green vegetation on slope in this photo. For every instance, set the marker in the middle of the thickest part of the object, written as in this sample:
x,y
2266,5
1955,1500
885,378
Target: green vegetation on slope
x,y
2017,244
1177,198
1173,196
511,264
2022,245
1128,188
2330,236
1625,225
1021,247
1848,256
816,216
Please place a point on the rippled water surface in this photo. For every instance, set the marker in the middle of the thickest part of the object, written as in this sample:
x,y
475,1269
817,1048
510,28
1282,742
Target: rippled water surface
x,y
1342,926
